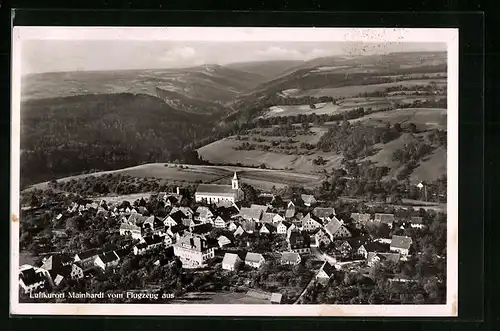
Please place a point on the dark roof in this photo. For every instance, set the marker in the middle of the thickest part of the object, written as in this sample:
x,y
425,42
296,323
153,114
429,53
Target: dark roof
x,y
215,189
193,242
56,261
309,217
270,227
141,246
360,217
178,216
154,239
401,242
248,225
122,252
108,257
202,228
328,269
90,253
375,246
384,218
30,276
177,228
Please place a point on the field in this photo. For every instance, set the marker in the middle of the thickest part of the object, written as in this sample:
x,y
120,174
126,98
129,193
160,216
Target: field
x,y
321,108
263,179
423,118
223,151
349,91
220,298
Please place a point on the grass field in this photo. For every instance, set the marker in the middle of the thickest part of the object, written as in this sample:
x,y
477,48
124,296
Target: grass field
x,y
321,108
423,118
348,91
263,179
223,151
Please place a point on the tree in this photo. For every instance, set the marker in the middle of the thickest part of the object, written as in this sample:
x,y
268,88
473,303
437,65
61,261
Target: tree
x,y
412,127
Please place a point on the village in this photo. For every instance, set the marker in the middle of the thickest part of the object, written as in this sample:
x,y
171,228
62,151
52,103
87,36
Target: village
x,y
233,239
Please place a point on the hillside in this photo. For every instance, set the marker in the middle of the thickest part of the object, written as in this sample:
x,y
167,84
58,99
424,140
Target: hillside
x,y
65,136
268,69
214,83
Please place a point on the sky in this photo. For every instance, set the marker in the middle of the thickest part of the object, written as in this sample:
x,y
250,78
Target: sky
x,y
38,56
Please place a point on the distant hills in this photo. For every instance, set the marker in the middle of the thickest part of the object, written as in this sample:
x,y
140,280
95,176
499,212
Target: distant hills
x,y
102,120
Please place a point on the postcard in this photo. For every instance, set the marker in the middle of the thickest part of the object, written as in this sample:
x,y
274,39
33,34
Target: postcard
x,y
229,171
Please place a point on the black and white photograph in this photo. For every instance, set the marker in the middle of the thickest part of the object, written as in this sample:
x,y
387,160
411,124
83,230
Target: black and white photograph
x,y
234,171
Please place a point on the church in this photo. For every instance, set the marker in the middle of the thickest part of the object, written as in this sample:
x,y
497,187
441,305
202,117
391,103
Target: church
x,y
214,193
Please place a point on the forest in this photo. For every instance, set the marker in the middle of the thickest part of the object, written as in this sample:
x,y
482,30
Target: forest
x,y
67,136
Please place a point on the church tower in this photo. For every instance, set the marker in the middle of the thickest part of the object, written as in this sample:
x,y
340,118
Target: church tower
x,y
236,185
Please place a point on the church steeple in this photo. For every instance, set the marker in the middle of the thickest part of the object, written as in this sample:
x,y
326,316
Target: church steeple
x,y
236,185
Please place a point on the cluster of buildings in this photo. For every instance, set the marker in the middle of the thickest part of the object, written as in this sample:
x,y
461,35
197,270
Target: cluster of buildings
x,y
187,232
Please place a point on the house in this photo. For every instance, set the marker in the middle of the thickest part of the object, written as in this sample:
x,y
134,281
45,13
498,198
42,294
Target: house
x,y
361,218
201,229
87,258
254,260
324,214
401,244
231,262
77,270
373,258
299,242
149,243
290,210
278,218
232,226
130,229
283,227
137,219
107,260
268,217
32,279
336,230
214,193
276,298
267,228
416,222
250,214
325,273
219,223
175,218
261,207
190,223
321,237
176,230
308,200
290,258
205,215
309,223
142,210
168,240
387,219
188,212
223,241
248,226
193,250
239,231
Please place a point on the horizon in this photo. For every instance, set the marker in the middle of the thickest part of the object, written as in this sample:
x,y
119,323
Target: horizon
x,y
62,56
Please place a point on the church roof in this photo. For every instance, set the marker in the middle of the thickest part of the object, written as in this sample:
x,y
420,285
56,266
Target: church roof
x,y
235,175
226,190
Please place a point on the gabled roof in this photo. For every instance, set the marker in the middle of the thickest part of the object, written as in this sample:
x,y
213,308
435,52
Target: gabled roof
x,y
416,220
90,253
185,210
192,242
109,257
248,225
276,297
137,219
308,199
154,239
204,212
323,212
31,276
328,269
267,217
230,258
177,228
363,218
261,207
224,190
253,257
289,257
308,218
202,228
251,213
54,262
384,218
402,242
223,240
269,226
333,226
392,257
177,216
290,212
375,246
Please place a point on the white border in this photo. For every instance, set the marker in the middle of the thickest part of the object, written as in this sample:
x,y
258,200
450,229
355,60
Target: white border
x,y
448,36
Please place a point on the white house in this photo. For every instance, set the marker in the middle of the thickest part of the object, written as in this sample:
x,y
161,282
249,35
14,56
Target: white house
x,y
223,241
131,229
107,260
401,244
32,279
214,193
308,199
283,227
325,273
205,215
219,223
309,223
254,260
335,229
231,262
416,222
232,226
193,250
290,258
278,218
